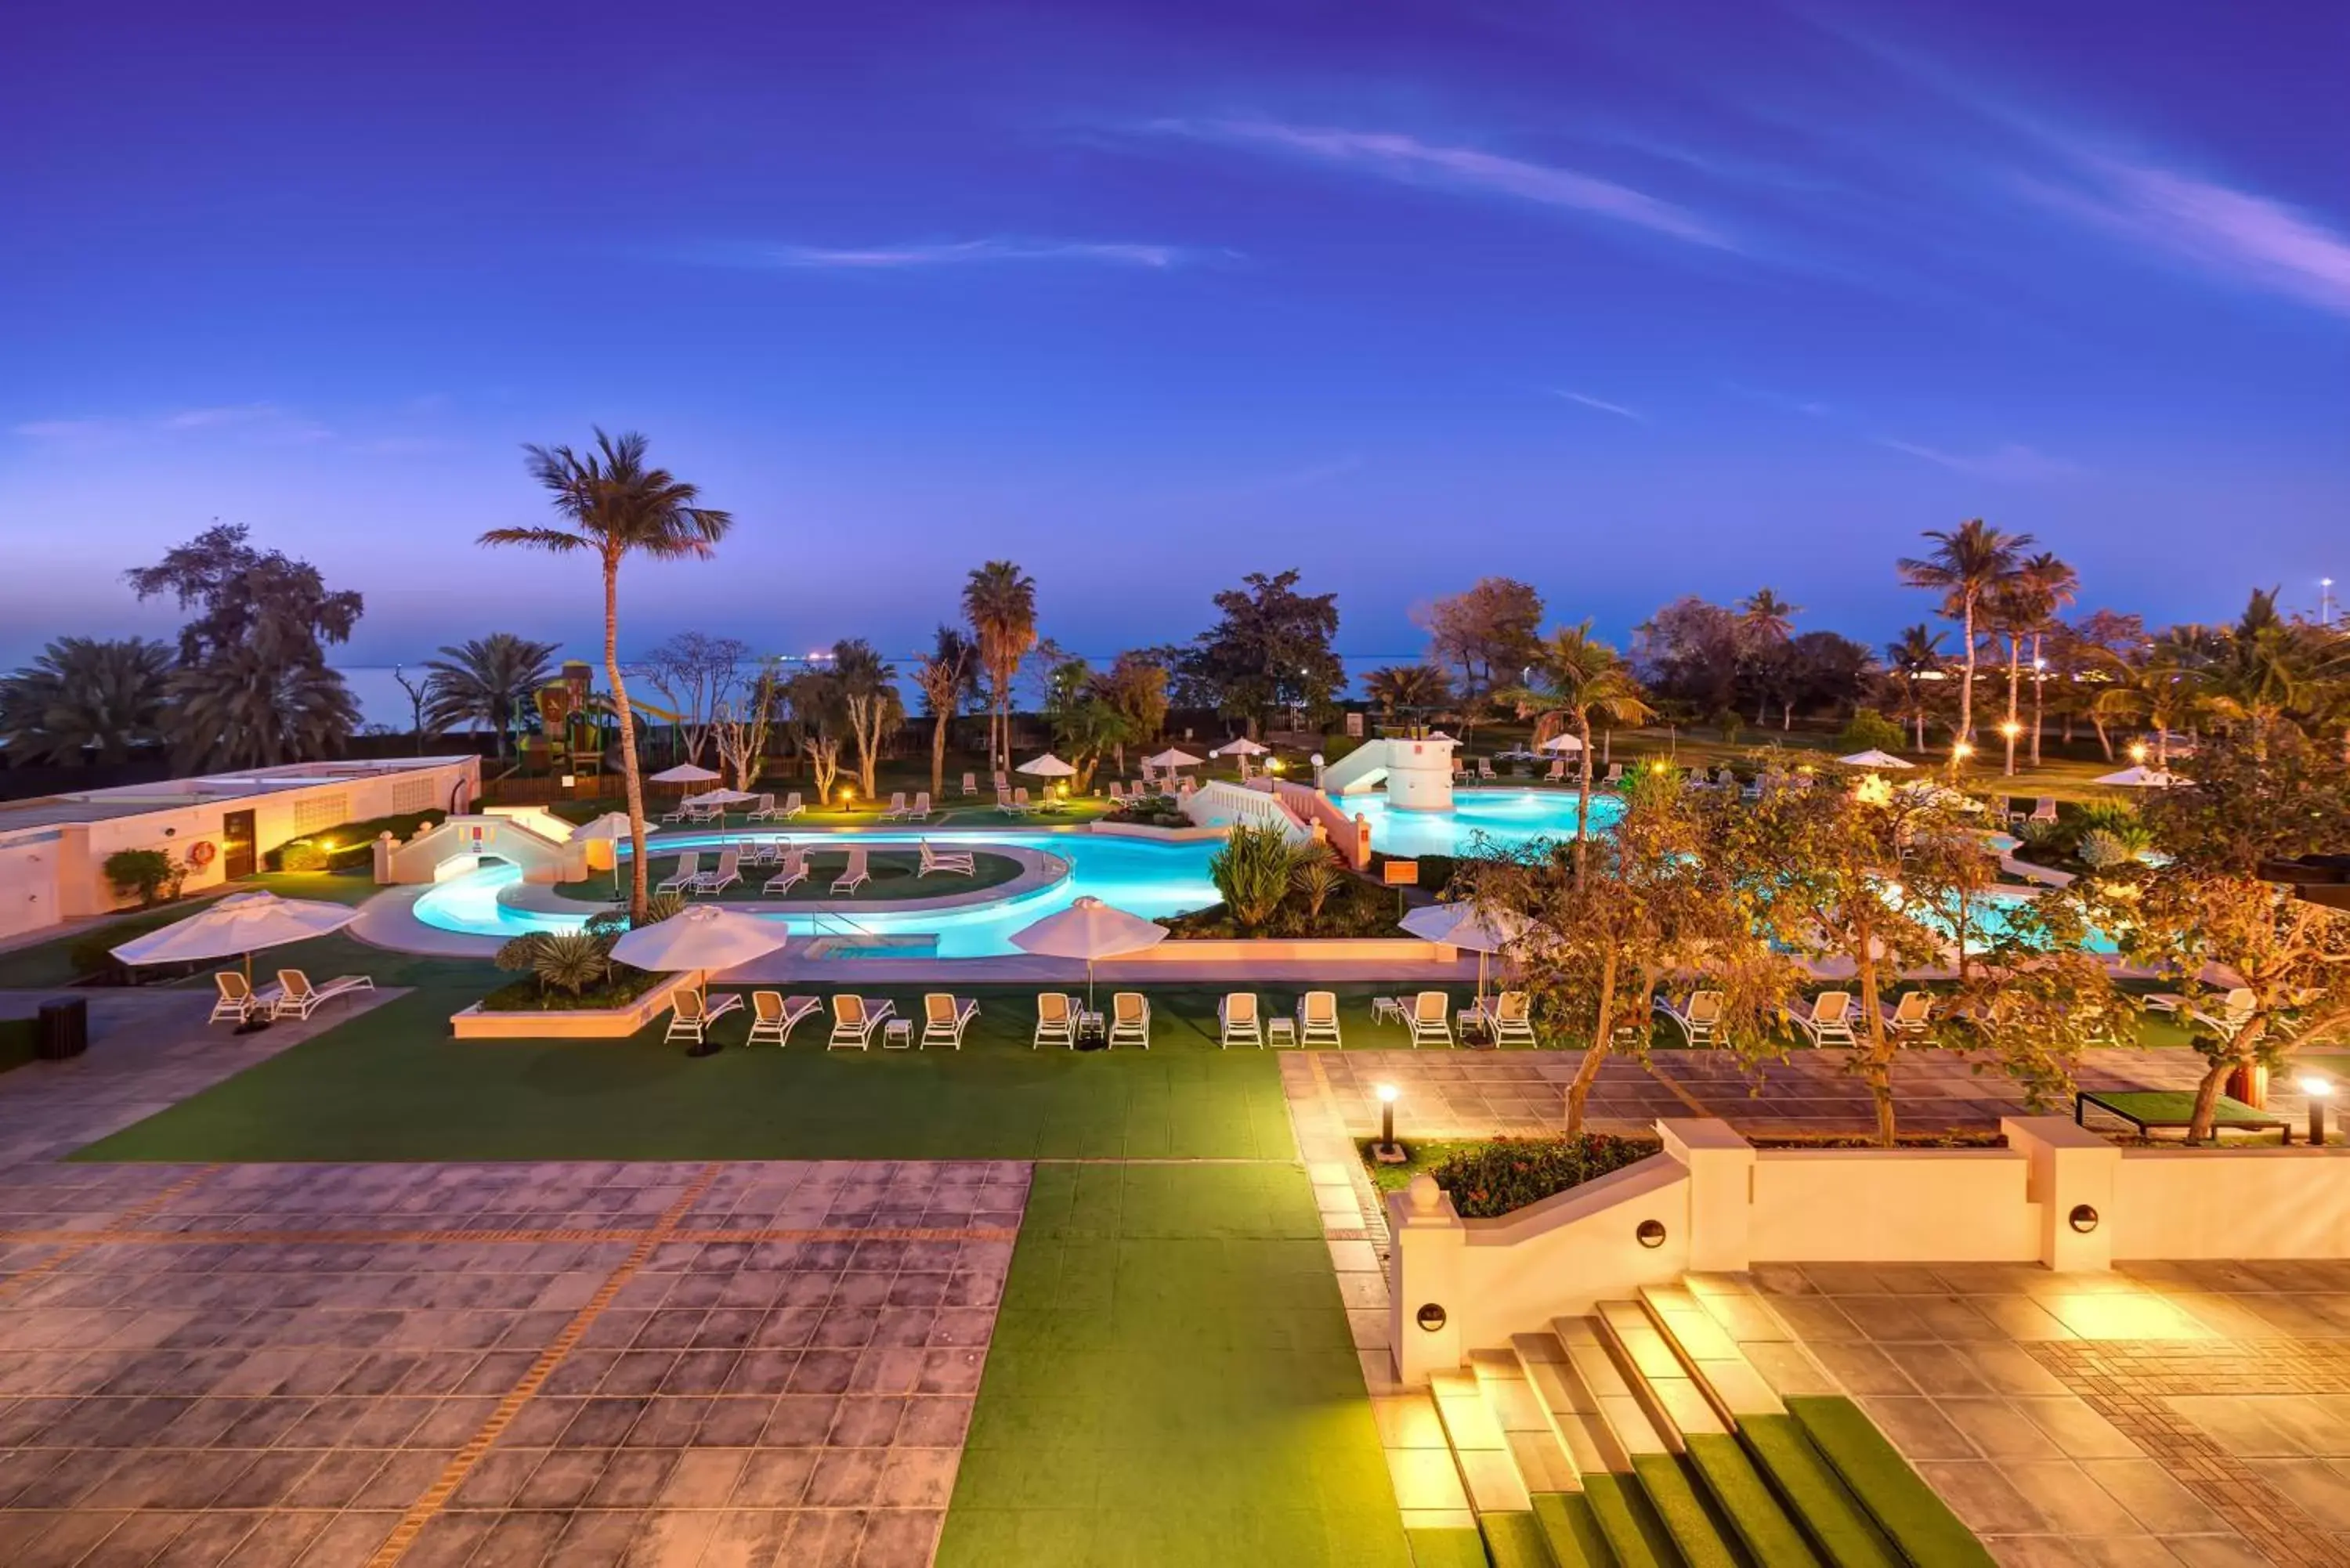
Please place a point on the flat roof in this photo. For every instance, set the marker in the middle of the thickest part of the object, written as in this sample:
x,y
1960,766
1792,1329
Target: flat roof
x,y
223,789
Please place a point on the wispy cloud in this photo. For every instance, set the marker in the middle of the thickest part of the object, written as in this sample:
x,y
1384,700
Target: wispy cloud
x,y
2013,463
1601,404
1411,161
1810,408
248,422
964,253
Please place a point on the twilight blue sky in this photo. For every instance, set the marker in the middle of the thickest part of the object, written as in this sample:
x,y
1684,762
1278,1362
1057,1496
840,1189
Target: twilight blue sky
x,y
1629,301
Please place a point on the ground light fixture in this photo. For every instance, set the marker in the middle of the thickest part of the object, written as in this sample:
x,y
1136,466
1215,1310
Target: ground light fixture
x,y
2318,1090
2137,751
1386,1151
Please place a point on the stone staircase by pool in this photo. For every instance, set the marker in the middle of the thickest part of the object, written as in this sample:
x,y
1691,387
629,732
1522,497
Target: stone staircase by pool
x,y
1686,1429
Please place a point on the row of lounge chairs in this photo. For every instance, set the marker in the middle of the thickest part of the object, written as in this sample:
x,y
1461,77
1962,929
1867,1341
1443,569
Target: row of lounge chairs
x,y
291,997
1827,1018
855,1019
688,879
764,809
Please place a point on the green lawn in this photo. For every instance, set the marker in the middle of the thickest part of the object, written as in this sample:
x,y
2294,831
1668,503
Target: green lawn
x,y
895,877
1171,1382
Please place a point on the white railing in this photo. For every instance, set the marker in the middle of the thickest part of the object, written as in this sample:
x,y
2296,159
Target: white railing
x,y
1220,803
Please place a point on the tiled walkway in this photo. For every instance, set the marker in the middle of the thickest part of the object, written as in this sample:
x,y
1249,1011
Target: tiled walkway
x,y
440,1365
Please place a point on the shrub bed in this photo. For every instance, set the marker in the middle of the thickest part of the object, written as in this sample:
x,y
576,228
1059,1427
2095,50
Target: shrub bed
x,y
1354,907
527,995
354,842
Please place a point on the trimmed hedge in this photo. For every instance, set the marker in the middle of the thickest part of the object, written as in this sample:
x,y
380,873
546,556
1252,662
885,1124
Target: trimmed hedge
x,y
1494,1178
354,842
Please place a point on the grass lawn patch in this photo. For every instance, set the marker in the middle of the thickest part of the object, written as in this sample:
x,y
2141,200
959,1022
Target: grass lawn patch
x,y
1171,1382
66,959
1903,1506
895,878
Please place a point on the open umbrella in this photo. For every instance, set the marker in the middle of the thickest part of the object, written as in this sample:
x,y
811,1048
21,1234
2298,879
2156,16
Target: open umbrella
x,y
2140,777
1464,926
1048,766
234,927
1088,929
1243,747
700,938
1173,758
1562,742
1873,758
725,797
684,774
610,829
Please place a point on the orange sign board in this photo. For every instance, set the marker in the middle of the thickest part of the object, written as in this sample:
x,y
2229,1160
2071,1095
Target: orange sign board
x,y
1402,873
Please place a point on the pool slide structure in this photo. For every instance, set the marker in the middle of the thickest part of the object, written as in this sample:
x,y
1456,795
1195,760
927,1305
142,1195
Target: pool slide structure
x,y
1418,773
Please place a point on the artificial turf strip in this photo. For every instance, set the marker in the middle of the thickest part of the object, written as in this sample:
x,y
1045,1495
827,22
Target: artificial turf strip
x,y
1636,1536
1171,1382
1704,1539
1922,1525
1570,1532
1514,1540
1742,1495
1446,1549
1839,1527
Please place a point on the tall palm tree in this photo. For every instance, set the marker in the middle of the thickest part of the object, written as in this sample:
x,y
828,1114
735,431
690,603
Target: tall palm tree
x,y
1965,565
1000,601
2056,586
614,507
86,698
1917,651
487,680
944,678
1765,621
245,707
1580,676
1406,689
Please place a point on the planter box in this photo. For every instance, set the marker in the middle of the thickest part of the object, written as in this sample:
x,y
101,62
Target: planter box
x,y
575,1023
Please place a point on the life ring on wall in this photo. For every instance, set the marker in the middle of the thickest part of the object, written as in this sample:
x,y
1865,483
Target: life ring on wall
x,y
199,855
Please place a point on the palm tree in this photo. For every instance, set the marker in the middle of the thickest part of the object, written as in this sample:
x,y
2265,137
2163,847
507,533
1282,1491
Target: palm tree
x,y
2160,688
1406,689
2021,607
2057,584
615,506
1765,622
243,708
487,680
945,678
1966,564
1580,676
86,698
1917,651
1000,601
867,684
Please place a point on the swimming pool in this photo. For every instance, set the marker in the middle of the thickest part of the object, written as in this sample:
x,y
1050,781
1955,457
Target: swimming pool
x,y
1139,876
1502,819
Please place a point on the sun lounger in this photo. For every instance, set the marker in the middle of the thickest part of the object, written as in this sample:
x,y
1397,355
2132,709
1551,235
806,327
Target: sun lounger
x,y
944,1018
793,806
1615,778
238,1001
1700,1016
856,874
1827,1018
1557,773
970,784
794,872
298,998
854,1020
725,875
692,1013
1484,770
774,1015
762,810
1430,1019
1009,806
1236,1018
1909,1013
689,868
1509,1019
1130,1018
1056,1020
896,810
2149,1110
921,810
1317,1019
951,862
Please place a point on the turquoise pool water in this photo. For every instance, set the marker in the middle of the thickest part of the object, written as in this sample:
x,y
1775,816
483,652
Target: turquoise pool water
x,y
1504,818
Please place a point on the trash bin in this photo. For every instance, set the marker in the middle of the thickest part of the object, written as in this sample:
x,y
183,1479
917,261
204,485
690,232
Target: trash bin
x,y
61,1029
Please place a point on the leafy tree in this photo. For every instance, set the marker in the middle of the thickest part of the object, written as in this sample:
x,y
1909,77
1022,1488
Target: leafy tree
x,y
867,684
1579,676
86,698
487,680
613,507
1087,727
1869,730
1489,632
697,675
152,874
999,600
1966,564
947,678
1134,688
820,722
741,725
1269,651
1694,652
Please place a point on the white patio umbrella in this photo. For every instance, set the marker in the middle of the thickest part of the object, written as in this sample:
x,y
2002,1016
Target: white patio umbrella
x,y
1173,758
684,774
610,829
725,797
1873,758
701,939
1243,747
1463,926
1562,742
2140,777
1048,766
1088,929
234,927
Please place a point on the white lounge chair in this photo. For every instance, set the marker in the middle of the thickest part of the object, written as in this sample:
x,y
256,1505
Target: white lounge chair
x,y
953,862
970,784
1827,1018
239,1003
793,806
794,872
1056,1020
681,880
1130,1018
774,1015
1509,1019
1002,780
1700,1016
1006,804
1909,1013
762,810
854,875
2234,1012
298,998
1485,770
1615,778
944,1018
1236,1018
1557,773
896,810
725,875
1431,1019
692,1013
1317,1019
855,1019
1020,802
921,810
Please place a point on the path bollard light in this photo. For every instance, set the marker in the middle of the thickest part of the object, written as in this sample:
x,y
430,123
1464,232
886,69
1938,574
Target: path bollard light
x,y
1386,1151
2318,1090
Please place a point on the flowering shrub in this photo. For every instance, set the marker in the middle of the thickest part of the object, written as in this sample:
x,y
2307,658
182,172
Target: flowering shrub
x,y
1494,1178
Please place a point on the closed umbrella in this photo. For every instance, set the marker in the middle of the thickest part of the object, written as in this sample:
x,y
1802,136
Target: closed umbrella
x,y
1466,926
1088,929
610,829
700,938
234,927
1873,758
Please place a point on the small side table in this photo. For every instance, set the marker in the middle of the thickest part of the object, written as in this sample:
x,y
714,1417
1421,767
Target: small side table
x,y
1281,1031
1387,1009
897,1034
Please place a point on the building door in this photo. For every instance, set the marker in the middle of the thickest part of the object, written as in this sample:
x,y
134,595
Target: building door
x,y
236,845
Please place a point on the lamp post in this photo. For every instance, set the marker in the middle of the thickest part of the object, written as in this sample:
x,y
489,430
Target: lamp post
x,y
1386,1151
1960,752
2009,732
2318,1091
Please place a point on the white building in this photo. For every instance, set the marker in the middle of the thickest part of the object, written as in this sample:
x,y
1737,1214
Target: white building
x,y
53,848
